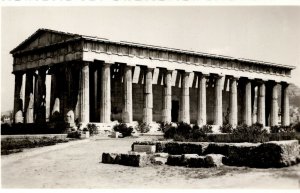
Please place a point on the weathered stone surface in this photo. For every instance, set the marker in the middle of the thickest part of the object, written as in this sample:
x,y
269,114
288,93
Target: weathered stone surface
x,y
213,160
144,148
111,158
160,145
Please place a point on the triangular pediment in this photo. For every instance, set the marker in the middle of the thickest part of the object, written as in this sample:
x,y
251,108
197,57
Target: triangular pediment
x,y
42,38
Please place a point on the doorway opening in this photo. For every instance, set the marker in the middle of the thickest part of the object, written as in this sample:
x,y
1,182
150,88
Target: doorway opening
x,y
175,111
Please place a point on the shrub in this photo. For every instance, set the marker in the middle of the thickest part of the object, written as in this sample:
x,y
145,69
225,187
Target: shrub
x,y
281,129
170,132
74,134
207,128
143,127
184,129
255,133
124,129
164,126
226,128
297,127
92,128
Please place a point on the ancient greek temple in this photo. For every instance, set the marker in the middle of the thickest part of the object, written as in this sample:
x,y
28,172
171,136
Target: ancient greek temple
x,y
72,77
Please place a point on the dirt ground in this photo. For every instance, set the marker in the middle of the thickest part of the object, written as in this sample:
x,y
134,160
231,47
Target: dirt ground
x,y
78,166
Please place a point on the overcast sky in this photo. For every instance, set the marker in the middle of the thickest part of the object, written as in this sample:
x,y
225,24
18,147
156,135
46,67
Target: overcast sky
x,y
263,33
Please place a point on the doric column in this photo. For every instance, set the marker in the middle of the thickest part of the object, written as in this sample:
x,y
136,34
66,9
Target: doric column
x,y
285,105
84,98
29,97
233,116
274,105
247,102
18,103
261,107
127,108
167,103
40,97
148,97
185,98
201,113
105,111
218,112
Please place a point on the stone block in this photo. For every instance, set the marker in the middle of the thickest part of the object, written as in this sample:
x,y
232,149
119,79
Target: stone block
x,y
176,148
175,160
111,158
196,162
213,160
144,148
139,160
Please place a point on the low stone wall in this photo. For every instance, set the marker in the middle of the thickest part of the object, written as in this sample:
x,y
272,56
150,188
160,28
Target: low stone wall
x,y
260,155
130,159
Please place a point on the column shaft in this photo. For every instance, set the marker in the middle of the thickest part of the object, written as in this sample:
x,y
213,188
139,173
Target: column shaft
x,y
274,106
247,99
84,103
285,105
233,116
105,112
185,98
18,103
29,98
201,114
218,112
167,103
127,108
148,97
40,97
261,107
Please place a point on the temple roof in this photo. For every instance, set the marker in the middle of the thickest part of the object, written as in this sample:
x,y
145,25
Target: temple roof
x,y
37,40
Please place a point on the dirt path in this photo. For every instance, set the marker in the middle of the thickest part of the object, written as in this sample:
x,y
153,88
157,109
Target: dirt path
x,y
78,166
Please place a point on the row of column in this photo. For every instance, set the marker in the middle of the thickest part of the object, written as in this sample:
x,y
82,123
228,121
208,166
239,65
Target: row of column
x,y
35,97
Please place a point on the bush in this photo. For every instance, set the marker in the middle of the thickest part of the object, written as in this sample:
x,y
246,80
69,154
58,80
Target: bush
x,y
143,127
164,126
226,128
74,134
296,127
255,133
92,128
281,129
207,128
124,129
184,129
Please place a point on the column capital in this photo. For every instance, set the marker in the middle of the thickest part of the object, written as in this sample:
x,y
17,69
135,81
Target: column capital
x,y
283,83
130,65
234,77
106,63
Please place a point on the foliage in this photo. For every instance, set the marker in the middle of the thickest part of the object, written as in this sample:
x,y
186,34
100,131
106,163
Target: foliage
x,y
226,128
255,133
164,126
207,128
92,128
281,129
11,145
124,129
143,127
297,127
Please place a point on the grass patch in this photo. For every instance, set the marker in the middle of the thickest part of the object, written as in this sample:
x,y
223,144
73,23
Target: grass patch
x,y
10,145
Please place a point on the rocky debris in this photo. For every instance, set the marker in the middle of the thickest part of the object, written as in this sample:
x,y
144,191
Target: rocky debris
x,y
195,161
159,145
111,158
175,160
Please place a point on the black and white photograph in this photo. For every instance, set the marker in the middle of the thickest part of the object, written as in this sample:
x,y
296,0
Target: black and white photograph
x,y
150,95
